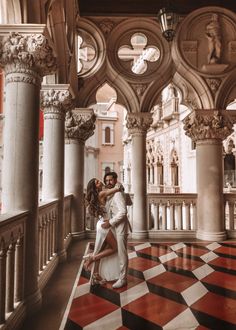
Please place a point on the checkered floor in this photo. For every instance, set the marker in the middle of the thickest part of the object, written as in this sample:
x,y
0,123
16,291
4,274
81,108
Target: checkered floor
x,y
170,286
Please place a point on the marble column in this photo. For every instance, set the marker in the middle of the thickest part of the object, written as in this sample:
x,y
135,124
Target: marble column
x,y
26,57
55,101
208,128
137,124
80,125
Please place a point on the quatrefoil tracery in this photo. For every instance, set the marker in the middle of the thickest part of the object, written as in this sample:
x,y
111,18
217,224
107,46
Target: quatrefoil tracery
x,y
139,53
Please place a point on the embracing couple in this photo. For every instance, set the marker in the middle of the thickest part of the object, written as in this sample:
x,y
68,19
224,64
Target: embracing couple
x,y
109,260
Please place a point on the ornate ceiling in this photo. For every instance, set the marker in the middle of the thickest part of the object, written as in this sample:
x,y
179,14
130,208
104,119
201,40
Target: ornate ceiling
x,y
145,7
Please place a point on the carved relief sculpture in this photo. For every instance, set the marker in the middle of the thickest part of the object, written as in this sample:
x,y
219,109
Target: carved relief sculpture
x,y
213,34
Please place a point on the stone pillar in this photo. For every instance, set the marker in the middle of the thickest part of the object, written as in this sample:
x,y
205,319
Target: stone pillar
x,y
55,101
80,125
26,58
1,90
208,128
137,124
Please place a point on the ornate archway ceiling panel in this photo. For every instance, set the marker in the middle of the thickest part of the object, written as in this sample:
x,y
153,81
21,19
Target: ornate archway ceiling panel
x,y
149,56
206,41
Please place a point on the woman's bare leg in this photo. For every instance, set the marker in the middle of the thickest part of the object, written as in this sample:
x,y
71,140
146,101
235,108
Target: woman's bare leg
x,y
109,248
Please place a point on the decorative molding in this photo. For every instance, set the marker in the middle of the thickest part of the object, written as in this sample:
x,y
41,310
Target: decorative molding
x,y
139,89
33,51
214,84
24,76
209,124
79,124
139,122
106,26
55,102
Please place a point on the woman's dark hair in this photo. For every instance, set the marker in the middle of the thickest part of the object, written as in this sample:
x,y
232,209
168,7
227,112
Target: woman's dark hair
x,y
92,200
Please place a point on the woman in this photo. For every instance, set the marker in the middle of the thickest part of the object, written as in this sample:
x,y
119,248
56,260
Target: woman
x,y
104,257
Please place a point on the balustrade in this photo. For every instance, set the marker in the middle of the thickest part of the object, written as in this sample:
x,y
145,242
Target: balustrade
x,y
12,259
172,212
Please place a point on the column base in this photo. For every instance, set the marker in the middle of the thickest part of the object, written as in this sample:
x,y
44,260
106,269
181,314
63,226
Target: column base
x,y
79,235
62,255
142,234
211,236
33,302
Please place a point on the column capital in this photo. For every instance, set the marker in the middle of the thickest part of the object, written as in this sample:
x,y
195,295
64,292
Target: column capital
x,y
209,124
26,48
80,124
138,122
56,100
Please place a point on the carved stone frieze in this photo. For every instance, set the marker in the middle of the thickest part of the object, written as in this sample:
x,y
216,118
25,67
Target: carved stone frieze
x,y
80,124
139,122
55,102
209,124
23,52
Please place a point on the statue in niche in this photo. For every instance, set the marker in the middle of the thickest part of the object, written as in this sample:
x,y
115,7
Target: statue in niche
x,y
213,34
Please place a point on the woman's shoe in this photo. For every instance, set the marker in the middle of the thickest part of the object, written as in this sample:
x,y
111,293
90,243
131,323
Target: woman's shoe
x,y
88,259
97,279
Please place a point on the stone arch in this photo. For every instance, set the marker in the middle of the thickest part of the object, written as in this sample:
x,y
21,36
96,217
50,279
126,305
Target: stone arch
x,y
147,86
96,39
125,94
227,91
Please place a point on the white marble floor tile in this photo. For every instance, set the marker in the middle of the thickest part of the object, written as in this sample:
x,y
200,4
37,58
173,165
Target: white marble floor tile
x,y
203,271
133,293
111,321
132,255
209,256
168,256
81,290
154,271
142,246
213,246
183,321
177,246
194,293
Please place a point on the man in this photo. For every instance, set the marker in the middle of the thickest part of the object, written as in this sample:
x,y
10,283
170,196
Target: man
x,y
117,211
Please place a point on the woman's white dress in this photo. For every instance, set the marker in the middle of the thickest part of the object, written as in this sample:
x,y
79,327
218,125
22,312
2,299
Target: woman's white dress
x,y
109,267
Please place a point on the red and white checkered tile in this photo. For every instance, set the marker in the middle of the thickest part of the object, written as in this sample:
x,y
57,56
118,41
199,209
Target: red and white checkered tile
x,y
171,286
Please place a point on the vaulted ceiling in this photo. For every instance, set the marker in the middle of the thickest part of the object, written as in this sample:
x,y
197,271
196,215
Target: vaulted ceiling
x,y
146,7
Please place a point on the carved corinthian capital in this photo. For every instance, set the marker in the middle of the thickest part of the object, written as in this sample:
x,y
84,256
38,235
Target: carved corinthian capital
x,y
56,100
22,52
80,124
138,122
209,124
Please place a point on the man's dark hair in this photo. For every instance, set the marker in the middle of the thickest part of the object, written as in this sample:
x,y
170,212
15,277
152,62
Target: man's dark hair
x,y
113,174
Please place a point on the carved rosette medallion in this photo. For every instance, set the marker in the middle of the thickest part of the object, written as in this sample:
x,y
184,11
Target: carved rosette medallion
x,y
209,124
139,89
29,54
106,25
138,123
55,103
80,124
214,84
